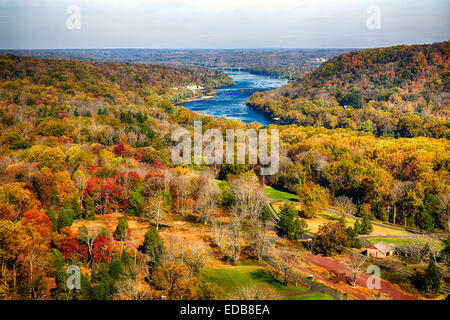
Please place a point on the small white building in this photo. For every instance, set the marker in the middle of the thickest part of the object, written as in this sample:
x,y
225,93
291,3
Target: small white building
x,y
194,87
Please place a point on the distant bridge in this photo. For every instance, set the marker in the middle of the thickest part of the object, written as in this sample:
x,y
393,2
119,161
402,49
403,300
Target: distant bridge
x,y
231,89
232,69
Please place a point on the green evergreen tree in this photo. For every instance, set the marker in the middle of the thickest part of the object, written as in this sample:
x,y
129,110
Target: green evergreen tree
x,y
89,207
57,262
153,246
432,278
290,223
366,225
65,218
103,282
426,222
76,207
116,270
121,231
128,265
357,227
265,214
353,240
52,216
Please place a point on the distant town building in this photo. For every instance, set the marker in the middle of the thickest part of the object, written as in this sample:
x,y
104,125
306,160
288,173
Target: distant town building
x,y
192,87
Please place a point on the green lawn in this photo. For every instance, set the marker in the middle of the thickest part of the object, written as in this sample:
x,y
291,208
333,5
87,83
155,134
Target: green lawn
x,y
231,278
311,296
404,242
280,195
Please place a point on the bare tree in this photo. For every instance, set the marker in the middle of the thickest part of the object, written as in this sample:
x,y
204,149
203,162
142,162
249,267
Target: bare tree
x,y
250,196
354,263
183,189
254,292
432,246
157,207
415,247
250,199
193,255
345,204
88,236
285,259
235,228
207,198
129,289
219,232
259,238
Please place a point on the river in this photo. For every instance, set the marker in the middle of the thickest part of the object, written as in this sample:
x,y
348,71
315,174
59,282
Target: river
x,y
231,103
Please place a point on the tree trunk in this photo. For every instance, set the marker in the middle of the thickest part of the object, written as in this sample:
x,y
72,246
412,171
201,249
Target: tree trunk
x,y
285,278
395,212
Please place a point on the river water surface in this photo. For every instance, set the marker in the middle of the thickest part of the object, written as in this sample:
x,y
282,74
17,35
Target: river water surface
x,y
231,103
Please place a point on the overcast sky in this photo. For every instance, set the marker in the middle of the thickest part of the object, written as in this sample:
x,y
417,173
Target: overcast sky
x,y
42,24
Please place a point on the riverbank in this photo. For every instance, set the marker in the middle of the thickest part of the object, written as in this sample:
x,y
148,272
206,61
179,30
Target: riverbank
x,y
266,114
196,98
230,102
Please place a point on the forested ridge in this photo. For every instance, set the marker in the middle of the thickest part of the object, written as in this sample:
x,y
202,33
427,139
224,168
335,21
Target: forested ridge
x,y
400,91
86,179
80,140
114,82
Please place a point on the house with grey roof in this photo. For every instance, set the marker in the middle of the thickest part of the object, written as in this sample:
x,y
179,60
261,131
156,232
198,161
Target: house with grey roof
x,y
380,250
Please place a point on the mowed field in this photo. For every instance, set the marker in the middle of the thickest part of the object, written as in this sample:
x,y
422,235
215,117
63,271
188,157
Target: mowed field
x,y
311,296
324,217
231,279
404,242
280,195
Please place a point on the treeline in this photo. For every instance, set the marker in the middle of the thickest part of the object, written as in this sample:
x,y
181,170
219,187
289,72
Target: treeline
x,y
381,118
77,156
401,181
79,140
396,91
27,80
291,73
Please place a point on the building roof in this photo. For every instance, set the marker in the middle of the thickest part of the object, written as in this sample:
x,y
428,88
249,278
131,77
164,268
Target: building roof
x,y
383,247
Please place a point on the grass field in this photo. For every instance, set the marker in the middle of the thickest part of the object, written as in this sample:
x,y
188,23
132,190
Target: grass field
x,y
280,195
231,278
326,216
311,296
403,242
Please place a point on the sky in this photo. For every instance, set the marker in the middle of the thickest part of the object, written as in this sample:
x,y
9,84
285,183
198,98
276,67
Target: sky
x,y
63,24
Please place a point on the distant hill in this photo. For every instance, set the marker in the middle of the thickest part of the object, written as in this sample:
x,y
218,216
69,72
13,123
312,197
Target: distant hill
x,y
375,85
289,63
109,80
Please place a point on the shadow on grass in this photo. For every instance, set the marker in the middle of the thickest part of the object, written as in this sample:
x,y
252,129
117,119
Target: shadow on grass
x,y
330,217
267,277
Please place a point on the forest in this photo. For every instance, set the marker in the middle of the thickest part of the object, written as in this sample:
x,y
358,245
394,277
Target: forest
x,y
400,91
86,176
287,63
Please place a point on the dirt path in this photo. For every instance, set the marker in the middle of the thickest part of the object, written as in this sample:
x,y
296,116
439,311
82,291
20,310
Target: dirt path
x,y
337,286
339,268
315,287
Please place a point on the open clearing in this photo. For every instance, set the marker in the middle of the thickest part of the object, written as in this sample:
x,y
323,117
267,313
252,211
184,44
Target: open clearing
x,y
311,296
232,278
404,242
280,195
324,217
